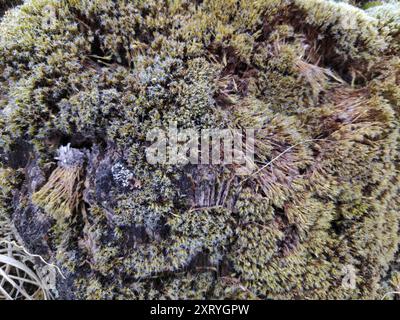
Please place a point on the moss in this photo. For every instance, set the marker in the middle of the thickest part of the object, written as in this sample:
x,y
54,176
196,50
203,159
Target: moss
x,y
388,16
317,80
8,4
9,180
372,4
59,196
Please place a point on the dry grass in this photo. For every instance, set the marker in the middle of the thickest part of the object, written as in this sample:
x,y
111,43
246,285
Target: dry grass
x,y
18,279
316,76
21,276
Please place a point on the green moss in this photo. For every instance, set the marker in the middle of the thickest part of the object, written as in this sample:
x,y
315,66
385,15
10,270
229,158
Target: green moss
x,y
9,180
372,4
318,80
388,17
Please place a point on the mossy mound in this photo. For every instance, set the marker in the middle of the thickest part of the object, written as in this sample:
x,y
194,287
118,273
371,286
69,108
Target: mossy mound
x,y
319,80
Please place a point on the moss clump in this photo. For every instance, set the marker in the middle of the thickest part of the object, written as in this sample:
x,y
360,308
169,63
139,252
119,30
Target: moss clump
x,y
61,195
388,15
317,79
9,180
7,4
